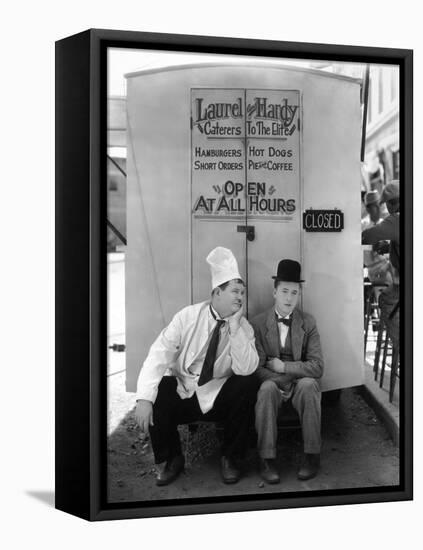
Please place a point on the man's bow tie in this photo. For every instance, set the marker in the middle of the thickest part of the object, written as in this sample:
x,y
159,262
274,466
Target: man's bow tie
x,y
286,322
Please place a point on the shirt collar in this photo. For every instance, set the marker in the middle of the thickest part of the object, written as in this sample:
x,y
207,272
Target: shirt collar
x,y
216,317
280,316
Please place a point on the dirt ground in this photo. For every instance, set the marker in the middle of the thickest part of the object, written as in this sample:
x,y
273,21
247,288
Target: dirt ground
x,y
357,452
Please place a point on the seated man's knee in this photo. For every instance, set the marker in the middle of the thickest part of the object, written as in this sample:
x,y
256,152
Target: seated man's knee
x,y
308,385
167,389
268,388
246,384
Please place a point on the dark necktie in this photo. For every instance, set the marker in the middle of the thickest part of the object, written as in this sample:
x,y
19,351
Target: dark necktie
x,y
286,322
207,370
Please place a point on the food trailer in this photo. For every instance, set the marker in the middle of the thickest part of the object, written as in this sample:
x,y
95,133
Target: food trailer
x,y
261,159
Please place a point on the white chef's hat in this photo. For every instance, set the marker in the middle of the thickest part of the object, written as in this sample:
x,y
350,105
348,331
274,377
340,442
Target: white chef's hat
x,y
223,266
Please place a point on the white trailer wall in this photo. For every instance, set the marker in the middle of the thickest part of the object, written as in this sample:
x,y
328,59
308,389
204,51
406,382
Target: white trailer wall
x,y
164,266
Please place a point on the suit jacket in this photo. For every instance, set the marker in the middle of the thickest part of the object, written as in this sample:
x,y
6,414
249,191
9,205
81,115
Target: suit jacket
x,y
177,348
305,343
387,229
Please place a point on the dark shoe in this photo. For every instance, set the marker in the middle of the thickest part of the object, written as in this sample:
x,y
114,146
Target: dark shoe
x,y
230,473
268,470
309,467
170,471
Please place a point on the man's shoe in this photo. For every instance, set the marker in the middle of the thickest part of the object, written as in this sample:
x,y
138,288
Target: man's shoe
x,y
230,473
309,467
268,470
170,470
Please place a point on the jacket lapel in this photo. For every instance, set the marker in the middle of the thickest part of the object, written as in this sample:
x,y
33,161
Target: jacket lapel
x,y
272,334
297,335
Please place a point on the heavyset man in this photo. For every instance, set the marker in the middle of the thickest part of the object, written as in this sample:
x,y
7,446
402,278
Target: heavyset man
x,y
200,368
290,366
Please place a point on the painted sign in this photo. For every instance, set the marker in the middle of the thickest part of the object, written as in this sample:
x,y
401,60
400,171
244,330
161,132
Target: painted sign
x,y
245,154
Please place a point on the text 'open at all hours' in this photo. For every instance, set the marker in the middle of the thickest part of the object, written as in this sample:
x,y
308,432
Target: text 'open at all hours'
x,y
236,199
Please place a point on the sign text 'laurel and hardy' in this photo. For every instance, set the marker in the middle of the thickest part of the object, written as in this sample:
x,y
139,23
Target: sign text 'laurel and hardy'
x,y
263,118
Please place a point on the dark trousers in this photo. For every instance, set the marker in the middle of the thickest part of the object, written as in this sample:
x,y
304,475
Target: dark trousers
x,y
389,312
233,407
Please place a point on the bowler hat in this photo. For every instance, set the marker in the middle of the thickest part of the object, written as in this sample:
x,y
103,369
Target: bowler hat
x,y
289,271
390,191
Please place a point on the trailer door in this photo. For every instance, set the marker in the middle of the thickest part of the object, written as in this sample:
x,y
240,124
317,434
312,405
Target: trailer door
x,y
245,178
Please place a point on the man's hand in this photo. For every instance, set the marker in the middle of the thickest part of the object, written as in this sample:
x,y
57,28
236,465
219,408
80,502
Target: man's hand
x,y
235,319
283,381
144,414
276,365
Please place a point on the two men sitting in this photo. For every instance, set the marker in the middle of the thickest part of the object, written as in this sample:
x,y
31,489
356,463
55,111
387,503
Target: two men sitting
x,y
210,363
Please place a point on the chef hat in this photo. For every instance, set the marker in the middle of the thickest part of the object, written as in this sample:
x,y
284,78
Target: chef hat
x,y
223,266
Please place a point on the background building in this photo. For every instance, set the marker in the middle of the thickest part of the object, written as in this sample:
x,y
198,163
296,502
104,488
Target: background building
x,y
382,136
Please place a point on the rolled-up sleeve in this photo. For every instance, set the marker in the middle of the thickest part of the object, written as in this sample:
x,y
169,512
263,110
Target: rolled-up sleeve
x,y
243,350
163,353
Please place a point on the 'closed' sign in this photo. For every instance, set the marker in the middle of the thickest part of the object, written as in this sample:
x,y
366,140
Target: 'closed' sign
x,y
323,220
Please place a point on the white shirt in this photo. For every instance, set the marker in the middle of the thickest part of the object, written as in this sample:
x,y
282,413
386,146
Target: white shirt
x,y
283,329
181,347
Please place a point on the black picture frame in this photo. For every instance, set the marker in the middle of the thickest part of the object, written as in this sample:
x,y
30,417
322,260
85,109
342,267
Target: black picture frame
x,y
81,285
